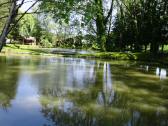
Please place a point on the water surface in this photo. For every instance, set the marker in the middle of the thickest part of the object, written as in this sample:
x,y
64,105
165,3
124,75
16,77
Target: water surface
x,y
52,91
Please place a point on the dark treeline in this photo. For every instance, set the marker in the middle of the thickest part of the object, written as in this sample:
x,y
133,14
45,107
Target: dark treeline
x,y
140,23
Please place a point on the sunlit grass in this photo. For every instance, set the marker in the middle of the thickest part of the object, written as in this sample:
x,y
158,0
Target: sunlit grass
x,y
24,49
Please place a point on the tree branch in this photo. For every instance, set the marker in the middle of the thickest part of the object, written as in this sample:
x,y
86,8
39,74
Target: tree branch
x,y
35,12
109,13
22,16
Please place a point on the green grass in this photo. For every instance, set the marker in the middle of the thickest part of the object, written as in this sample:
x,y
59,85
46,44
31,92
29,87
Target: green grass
x,y
161,58
36,50
24,49
166,48
110,55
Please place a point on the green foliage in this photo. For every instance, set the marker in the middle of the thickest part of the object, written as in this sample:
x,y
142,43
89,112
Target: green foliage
x,y
31,26
45,42
60,9
137,24
27,26
140,23
103,43
109,55
4,9
89,12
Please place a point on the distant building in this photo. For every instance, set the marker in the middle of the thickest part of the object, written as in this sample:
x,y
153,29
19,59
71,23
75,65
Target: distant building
x,y
8,41
29,41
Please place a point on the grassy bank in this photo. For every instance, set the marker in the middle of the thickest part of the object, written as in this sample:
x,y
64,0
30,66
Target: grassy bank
x,y
24,49
35,50
161,58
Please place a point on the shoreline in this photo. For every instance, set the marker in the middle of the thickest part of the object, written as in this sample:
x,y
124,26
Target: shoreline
x,y
35,50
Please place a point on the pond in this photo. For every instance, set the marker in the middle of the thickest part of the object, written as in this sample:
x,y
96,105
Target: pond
x,y
59,91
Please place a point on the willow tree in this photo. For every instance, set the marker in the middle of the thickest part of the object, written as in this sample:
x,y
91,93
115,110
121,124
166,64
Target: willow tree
x,y
92,11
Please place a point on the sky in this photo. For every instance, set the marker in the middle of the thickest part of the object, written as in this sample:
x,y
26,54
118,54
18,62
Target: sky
x,y
30,2
27,5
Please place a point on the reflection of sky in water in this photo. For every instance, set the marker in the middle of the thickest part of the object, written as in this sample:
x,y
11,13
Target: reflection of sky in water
x,y
66,107
107,77
50,73
67,72
79,74
25,109
54,77
106,96
162,73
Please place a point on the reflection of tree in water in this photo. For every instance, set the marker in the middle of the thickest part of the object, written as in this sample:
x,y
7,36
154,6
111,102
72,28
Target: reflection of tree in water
x,y
85,107
67,114
79,109
106,95
142,95
8,81
134,102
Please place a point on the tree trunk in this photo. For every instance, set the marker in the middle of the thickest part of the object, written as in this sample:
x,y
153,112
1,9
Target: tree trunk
x,y
154,48
137,47
146,47
7,25
101,23
101,28
162,48
131,47
108,41
121,42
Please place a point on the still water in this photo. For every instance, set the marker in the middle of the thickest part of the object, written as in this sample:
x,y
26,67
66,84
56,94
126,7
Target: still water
x,y
57,91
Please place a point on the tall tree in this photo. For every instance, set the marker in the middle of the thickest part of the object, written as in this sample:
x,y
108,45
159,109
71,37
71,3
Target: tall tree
x,y
142,23
91,11
4,10
15,5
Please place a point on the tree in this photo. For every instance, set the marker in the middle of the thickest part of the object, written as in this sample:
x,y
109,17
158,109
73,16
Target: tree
x,y
27,25
140,23
14,8
91,11
4,5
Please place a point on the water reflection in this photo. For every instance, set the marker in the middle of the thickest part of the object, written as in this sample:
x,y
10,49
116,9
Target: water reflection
x,y
79,92
8,79
106,96
162,73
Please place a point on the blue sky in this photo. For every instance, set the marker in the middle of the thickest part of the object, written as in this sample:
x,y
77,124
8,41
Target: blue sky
x,y
27,5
